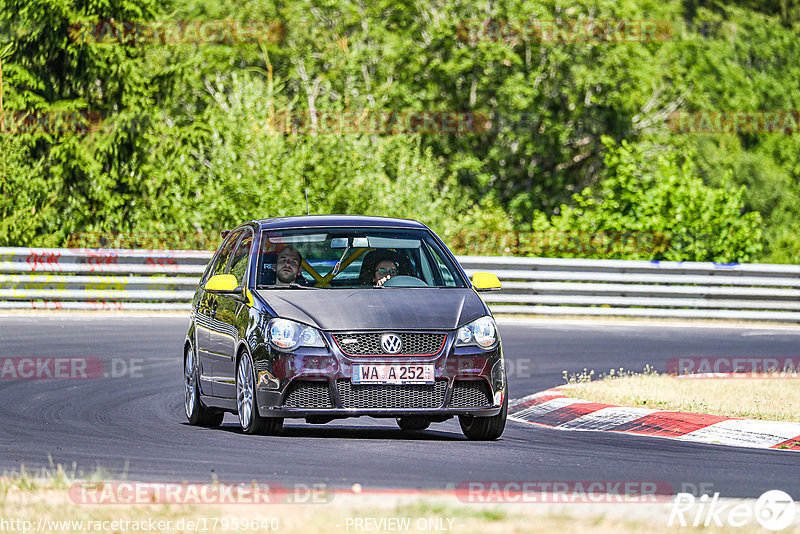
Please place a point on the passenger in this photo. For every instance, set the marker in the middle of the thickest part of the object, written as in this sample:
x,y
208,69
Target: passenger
x,y
384,271
379,266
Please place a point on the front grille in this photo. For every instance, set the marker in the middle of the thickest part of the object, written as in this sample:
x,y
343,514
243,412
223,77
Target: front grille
x,y
391,396
470,394
308,394
369,344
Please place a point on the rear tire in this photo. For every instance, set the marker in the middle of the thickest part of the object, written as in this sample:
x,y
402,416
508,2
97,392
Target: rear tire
x,y
485,428
196,413
249,418
413,423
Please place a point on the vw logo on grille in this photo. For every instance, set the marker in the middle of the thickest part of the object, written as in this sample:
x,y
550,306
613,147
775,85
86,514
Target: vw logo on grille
x,y
391,343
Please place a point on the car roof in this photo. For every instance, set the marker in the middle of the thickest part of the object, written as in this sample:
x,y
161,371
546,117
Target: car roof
x,y
317,221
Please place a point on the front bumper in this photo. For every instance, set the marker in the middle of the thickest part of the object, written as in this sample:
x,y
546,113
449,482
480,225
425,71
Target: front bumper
x,y
441,399
336,413
317,383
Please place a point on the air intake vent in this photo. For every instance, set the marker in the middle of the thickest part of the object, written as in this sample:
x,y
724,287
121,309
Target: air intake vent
x,y
307,394
391,396
471,394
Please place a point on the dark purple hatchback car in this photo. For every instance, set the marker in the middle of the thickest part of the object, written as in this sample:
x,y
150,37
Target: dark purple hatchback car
x,y
327,317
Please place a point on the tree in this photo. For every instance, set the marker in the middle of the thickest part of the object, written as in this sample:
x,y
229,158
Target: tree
x,y
663,208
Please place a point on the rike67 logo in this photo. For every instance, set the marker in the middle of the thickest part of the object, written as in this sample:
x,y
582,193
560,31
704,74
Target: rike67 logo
x,y
774,510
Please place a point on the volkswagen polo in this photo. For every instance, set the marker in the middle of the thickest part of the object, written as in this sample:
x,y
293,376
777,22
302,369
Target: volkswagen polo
x,y
328,317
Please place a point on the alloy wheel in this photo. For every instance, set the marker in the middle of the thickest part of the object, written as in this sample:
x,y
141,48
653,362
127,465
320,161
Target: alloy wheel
x,y
244,392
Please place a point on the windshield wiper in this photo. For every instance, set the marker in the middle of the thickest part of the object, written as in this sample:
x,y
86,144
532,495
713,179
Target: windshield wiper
x,y
293,285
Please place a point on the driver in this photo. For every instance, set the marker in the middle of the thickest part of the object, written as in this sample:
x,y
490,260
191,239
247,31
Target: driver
x,y
287,266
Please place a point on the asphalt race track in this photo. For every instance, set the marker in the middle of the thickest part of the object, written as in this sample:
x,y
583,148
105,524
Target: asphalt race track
x,y
131,423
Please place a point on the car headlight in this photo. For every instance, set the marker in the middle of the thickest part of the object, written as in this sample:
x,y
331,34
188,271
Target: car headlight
x,y
481,332
288,335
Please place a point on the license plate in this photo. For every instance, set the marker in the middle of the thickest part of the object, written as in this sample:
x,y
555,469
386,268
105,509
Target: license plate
x,y
392,374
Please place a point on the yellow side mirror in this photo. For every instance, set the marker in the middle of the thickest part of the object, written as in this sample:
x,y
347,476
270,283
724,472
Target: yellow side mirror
x,y
222,282
485,282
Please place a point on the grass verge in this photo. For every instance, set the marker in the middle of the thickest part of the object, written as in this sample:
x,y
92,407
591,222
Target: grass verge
x,y
772,399
45,505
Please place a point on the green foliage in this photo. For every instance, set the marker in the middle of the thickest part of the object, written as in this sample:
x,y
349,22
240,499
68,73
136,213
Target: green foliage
x,y
788,11
740,59
239,169
185,144
651,195
26,196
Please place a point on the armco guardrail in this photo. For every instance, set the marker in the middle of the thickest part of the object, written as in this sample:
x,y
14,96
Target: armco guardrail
x,y
766,292
165,280
99,279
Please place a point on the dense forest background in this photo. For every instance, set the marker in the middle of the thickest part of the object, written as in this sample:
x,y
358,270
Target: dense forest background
x,y
166,142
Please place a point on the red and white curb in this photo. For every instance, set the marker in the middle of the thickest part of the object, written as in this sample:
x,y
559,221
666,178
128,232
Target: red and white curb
x,y
553,409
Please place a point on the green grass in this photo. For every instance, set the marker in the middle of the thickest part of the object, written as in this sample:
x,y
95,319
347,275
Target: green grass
x,y
775,399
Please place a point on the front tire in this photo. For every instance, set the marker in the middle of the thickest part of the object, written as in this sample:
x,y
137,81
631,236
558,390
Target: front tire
x,y
485,428
196,413
249,418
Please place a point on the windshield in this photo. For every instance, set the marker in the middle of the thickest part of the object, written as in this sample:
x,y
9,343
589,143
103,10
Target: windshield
x,y
334,258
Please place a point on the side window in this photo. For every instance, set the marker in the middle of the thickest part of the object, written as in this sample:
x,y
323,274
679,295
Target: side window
x,y
425,264
444,271
221,258
241,257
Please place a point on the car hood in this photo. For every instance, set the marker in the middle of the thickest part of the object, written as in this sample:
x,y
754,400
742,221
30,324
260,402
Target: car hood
x,y
379,309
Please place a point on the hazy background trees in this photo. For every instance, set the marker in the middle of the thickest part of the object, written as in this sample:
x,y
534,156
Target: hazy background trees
x,y
577,136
